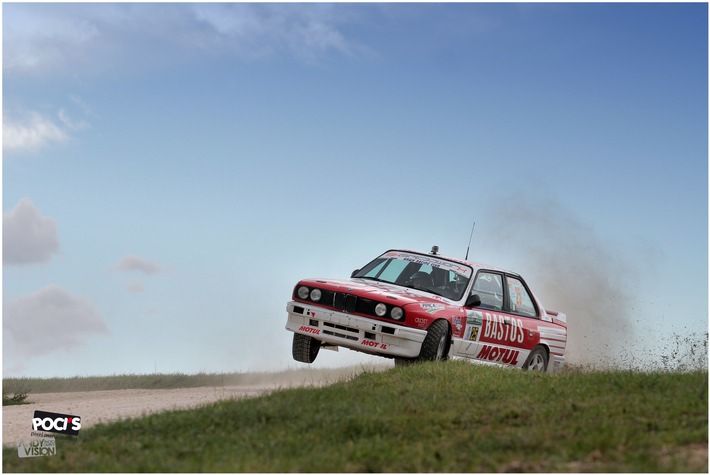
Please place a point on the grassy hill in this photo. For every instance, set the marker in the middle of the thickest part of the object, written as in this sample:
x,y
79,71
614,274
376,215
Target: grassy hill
x,y
450,417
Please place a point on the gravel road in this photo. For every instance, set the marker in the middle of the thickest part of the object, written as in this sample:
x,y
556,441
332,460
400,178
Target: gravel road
x,y
102,406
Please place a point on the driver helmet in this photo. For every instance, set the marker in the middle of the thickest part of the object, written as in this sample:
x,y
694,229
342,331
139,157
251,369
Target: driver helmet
x,y
421,280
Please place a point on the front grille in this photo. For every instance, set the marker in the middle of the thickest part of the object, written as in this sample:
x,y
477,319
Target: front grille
x,y
348,303
345,302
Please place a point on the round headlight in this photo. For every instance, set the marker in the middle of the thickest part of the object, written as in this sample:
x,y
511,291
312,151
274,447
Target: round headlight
x,y
303,292
315,295
397,313
380,309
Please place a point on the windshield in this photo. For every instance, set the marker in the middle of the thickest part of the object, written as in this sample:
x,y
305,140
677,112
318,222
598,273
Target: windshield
x,y
418,271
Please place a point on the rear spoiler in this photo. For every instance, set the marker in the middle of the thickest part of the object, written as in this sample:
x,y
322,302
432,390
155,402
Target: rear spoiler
x,y
557,317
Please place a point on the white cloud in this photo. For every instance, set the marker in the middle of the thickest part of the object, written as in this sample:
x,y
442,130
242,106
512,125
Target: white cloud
x,y
28,237
136,264
48,321
45,38
306,31
30,133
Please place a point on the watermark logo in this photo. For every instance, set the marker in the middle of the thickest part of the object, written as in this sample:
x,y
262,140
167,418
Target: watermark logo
x,y
59,423
37,447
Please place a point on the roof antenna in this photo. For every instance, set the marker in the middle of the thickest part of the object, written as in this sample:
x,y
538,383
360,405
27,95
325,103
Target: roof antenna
x,y
469,241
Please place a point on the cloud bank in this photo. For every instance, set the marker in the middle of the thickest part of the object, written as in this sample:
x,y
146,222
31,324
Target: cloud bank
x,y
48,321
94,38
30,133
28,237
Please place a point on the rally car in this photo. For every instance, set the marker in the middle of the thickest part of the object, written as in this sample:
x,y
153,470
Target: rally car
x,y
417,306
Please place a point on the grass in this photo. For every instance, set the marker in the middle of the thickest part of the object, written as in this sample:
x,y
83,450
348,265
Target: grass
x,y
9,399
447,417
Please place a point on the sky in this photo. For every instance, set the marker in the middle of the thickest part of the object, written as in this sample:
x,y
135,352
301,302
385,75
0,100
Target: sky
x,y
170,171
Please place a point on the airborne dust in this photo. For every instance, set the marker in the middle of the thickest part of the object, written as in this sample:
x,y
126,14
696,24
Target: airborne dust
x,y
572,270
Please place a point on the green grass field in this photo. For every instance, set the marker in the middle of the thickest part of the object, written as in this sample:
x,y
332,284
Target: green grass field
x,y
446,417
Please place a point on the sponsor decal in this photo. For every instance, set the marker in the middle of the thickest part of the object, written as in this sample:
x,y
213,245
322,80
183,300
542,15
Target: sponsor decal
x,y
374,344
432,261
502,355
431,307
421,322
59,423
308,329
474,321
36,447
474,317
503,328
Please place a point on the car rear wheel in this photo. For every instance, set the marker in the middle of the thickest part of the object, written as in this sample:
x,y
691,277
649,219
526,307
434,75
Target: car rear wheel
x,y
305,348
436,342
537,360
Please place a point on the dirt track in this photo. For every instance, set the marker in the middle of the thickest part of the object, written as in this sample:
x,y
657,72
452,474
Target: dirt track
x,y
102,406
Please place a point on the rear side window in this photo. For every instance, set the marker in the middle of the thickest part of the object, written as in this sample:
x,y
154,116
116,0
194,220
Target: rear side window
x,y
520,301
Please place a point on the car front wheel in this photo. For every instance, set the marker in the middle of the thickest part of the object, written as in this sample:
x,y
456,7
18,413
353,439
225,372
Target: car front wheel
x,y
537,360
436,342
305,348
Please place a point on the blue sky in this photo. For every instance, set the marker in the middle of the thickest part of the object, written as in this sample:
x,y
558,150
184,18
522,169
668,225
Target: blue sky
x,y
171,170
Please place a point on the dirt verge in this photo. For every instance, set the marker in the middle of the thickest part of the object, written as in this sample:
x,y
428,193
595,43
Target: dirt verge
x,y
103,406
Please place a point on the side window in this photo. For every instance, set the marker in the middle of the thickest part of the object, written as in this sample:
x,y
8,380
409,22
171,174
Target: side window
x,y
520,301
489,287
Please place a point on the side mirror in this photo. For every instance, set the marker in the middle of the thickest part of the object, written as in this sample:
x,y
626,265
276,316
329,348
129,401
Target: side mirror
x,y
473,300
354,272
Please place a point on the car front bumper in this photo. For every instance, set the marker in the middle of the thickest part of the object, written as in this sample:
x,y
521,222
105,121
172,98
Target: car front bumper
x,y
353,331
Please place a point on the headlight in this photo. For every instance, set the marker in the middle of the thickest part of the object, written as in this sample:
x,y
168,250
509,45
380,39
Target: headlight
x,y
380,309
397,313
303,292
315,295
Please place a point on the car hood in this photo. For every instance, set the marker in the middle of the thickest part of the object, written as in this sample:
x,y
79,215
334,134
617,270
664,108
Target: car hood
x,y
381,291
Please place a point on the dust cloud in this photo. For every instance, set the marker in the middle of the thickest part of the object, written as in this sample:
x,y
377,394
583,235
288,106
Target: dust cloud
x,y
571,270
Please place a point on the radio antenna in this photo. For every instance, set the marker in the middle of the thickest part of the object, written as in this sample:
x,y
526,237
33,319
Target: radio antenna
x,y
469,240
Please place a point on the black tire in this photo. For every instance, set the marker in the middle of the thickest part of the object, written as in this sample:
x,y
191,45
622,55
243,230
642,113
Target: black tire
x,y
305,348
403,362
436,343
537,360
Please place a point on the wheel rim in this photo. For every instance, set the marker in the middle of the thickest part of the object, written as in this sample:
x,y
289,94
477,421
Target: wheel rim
x,y
537,363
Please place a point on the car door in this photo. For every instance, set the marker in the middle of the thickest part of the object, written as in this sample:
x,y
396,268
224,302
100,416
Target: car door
x,y
507,333
488,285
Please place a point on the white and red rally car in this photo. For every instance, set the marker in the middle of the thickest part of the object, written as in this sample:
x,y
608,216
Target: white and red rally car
x,y
410,306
